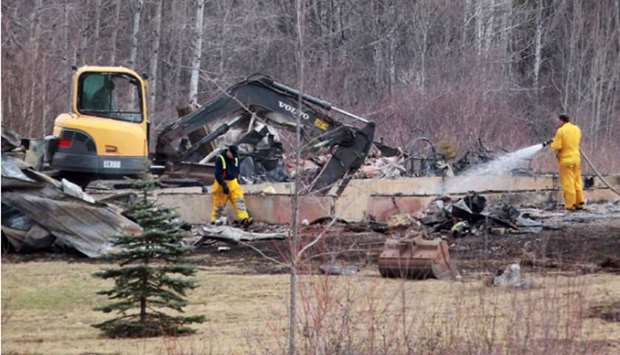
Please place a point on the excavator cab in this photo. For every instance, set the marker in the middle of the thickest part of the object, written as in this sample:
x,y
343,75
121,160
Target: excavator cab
x,y
106,132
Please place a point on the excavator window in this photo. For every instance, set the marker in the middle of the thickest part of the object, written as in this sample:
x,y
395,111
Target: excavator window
x,y
110,95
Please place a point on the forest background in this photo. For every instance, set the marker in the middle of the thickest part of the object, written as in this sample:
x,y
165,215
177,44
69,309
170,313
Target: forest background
x,y
457,71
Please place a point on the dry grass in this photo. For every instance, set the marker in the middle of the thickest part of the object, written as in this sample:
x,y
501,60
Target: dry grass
x,y
434,317
51,307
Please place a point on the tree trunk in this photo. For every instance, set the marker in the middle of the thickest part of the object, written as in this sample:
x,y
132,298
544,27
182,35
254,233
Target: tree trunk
x,y
178,56
35,34
48,84
197,53
226,9
115,26
489,33
135,31
143,298
96,38
44,100
392,67
466,19
614,85
81,50
422,73
479,25
506,36
154,59
69,60
377,47
538,44
570,67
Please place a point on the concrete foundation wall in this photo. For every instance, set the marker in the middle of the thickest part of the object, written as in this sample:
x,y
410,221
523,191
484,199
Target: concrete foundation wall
x,y
193,208
377,198
273,209
278,209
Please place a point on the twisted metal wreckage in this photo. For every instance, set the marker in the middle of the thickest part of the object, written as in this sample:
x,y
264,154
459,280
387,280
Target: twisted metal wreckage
x,y
42,213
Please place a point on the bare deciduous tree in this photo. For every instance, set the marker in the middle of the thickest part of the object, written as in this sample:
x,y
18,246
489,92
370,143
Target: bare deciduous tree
x,y
154,60
115,28
197,52
135,33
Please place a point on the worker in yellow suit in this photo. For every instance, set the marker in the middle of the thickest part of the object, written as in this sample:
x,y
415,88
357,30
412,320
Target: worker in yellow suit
x,y
227,188
566,145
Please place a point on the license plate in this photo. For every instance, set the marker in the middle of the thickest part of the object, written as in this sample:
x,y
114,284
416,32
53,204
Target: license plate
x,y
112,164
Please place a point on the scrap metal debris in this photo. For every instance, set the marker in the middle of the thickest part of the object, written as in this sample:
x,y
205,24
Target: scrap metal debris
x,y
511,277
235,235
10,140
74,190
471,215
523,220
478,154
338,269
253,171
382,167
22,233
40,213
424,159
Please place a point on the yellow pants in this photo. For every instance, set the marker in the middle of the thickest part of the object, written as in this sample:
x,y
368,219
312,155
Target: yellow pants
x,y
235,196
572,185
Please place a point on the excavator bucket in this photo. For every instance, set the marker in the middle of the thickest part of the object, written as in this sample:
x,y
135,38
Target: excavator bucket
x,y
347,158
416,258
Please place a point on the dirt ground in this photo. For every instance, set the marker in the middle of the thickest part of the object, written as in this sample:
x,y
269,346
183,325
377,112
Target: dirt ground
x,y
586,242
590,246
48,299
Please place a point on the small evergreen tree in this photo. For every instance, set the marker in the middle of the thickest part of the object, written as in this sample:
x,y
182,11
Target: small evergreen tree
x,y
150,277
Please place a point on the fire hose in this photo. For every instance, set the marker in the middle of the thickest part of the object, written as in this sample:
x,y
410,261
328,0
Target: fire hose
x,y
585,157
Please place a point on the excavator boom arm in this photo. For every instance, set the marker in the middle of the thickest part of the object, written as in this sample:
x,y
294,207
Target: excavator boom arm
x,y
256,95
275,103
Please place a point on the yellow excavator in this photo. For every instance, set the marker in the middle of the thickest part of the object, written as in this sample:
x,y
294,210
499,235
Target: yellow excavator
x,y
106,133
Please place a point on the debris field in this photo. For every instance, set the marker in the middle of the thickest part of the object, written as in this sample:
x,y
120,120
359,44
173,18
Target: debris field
x,y
482,230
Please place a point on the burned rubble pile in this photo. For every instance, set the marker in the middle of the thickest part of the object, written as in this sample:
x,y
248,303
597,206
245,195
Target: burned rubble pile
x,y
40,213
423,158
383,161
470,215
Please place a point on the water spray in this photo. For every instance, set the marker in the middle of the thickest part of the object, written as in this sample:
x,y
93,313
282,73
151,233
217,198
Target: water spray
x,y
504,164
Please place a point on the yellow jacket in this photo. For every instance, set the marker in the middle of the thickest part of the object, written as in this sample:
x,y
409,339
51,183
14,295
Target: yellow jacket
x,y
566,143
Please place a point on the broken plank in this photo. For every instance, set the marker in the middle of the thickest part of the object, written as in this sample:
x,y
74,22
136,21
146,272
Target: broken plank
x,y
236,235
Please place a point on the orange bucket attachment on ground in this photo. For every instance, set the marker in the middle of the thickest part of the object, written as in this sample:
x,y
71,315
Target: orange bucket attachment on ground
x,y
416,258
